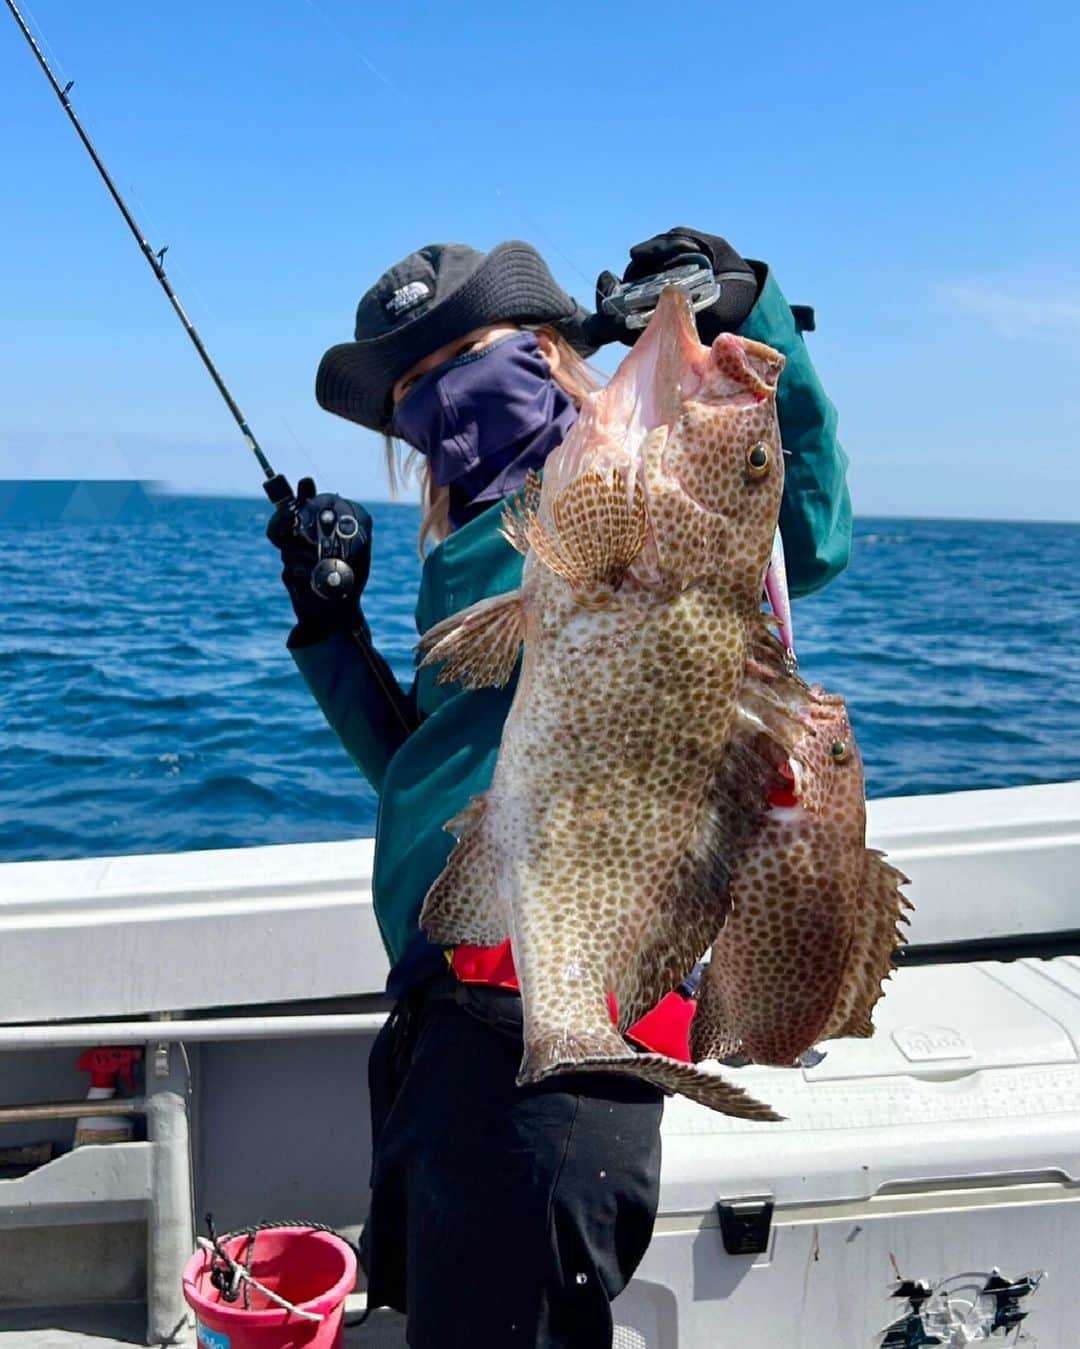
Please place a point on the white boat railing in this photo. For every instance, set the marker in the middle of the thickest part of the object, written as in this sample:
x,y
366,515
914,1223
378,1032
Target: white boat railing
x,y
176,932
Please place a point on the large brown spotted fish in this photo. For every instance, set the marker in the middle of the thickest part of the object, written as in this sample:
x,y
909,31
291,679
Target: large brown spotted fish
x,y
814,912
639,750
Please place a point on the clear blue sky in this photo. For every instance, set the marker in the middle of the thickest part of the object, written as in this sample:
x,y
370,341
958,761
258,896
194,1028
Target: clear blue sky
x,y
909,170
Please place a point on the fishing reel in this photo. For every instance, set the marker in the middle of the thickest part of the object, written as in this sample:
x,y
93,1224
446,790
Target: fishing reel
x,y
332,577
330,524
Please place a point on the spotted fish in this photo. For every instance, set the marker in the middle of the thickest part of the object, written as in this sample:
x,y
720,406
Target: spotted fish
x,y
814,912
646,728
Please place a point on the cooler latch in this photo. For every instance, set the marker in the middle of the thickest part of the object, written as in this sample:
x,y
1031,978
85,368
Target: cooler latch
x,y
745,1224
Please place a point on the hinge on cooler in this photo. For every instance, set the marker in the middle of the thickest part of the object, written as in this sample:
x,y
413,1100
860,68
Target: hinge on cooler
x,y
745,1224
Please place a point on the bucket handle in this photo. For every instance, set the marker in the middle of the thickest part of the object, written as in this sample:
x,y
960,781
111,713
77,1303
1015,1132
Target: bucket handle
x,y
239,1271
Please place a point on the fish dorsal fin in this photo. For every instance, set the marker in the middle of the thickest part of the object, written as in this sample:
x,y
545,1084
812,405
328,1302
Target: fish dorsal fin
x,y
597,529
479,646
461,906
874,942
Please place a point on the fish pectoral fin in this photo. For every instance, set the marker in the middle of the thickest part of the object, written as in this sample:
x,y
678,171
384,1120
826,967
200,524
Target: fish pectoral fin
x,y
870,962
461,906
479,646
597,530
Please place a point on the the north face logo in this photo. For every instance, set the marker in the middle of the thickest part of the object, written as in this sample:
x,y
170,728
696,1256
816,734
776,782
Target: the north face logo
x,y
407,297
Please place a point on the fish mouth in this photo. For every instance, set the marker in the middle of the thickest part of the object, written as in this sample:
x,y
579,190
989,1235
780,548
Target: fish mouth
x,y
745,367
665,369
641,438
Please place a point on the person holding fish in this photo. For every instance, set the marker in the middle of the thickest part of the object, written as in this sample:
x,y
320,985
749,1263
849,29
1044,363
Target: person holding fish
x,y
503,1214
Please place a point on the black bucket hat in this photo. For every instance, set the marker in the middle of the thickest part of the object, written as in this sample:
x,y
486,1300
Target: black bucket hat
x,y
435,295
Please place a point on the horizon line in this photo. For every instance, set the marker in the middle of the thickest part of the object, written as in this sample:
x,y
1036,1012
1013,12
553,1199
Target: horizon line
x,y
858,515
158,487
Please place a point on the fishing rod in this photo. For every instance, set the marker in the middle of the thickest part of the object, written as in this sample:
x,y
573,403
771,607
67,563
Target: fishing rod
x,y
332,577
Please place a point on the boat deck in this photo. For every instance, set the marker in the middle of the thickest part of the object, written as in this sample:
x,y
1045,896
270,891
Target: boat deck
x,y
118,1326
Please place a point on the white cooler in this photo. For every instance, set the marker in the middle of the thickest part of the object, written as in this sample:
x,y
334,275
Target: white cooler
x,y
923,1188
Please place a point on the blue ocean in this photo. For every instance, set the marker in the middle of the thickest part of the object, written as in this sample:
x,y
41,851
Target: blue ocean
x,y
148,702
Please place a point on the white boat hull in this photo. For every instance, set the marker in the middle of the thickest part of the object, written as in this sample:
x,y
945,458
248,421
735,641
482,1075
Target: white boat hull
x,y
945,1146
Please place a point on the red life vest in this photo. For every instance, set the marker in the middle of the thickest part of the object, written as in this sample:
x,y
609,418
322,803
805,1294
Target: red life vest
x,y
664,1030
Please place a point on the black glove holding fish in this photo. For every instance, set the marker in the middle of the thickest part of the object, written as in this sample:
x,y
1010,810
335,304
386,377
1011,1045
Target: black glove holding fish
x,y
296,535
666,253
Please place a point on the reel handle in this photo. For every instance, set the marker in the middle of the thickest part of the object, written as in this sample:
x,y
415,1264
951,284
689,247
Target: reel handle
x,y
332,578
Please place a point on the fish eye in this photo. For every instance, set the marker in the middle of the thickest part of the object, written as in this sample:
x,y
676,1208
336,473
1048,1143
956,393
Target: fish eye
x,y
758,458
839,751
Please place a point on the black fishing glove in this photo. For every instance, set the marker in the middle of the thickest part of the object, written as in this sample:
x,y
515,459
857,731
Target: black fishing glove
x,y
662,253
294,536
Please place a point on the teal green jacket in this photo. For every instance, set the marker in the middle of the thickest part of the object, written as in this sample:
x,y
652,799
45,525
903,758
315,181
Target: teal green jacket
x,y
428,751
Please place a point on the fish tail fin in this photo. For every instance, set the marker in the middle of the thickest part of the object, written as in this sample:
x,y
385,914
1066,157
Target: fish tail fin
x,y
873,947
708,1089
610,1054
597,529
563,1050
461,906
479,646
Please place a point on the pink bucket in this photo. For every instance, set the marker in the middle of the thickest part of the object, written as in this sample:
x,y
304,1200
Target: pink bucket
x,y
314,1270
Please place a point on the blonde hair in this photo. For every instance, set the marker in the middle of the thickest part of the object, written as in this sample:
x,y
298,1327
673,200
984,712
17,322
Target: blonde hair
x,y
574,376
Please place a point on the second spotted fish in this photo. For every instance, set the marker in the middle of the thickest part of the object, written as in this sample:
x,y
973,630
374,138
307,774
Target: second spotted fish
x,y
814,912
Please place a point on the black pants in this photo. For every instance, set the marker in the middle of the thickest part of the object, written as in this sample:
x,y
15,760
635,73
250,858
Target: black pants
x,y
501,1217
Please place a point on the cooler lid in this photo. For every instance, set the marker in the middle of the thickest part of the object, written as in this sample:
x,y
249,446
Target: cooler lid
x,y
973,1071
955,1019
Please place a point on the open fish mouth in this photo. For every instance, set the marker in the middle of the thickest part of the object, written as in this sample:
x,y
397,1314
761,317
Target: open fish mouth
x,y
665,367
667,370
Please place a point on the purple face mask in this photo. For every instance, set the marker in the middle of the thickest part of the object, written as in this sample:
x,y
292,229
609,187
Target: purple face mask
x,y
484,419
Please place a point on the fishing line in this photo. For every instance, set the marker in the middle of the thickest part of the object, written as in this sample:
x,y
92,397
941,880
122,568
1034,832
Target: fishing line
x,y
302,447
543,234
189,281
340,32
45,42
509,198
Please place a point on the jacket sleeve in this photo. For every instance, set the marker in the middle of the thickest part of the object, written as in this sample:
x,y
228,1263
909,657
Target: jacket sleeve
x,y
366,707
815,516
